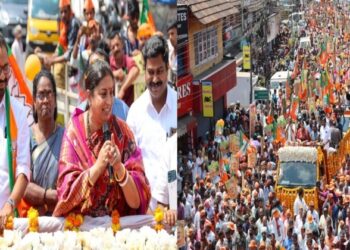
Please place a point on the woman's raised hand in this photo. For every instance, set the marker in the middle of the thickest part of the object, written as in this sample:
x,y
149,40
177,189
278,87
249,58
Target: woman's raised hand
x,y
103,155
114,153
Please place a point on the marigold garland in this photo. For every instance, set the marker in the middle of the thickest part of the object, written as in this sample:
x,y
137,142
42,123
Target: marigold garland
x,y
115,221
73,222
9,223
158,217
33,219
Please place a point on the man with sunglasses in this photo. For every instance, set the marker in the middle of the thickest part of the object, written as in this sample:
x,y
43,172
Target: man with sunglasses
x,y
68,29
14,117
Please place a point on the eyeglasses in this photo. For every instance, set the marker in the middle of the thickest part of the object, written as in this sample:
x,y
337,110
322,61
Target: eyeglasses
x,y
5,69
41,95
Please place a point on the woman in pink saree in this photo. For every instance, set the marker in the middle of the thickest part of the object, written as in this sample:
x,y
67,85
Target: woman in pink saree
x,y
84,184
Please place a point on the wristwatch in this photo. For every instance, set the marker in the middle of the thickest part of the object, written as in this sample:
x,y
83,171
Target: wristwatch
x,y
11,202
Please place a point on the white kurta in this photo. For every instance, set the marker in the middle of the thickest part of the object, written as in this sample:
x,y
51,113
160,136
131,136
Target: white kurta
x,y
22,146
151,130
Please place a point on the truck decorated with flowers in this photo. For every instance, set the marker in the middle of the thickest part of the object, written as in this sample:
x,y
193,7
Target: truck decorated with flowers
x,y
299,166
302,166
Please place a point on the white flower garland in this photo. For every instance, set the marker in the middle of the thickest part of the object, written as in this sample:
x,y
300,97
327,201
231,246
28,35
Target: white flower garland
x,y
145,238
301,154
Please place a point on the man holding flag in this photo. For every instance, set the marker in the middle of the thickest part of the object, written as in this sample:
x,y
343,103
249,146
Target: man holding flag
x,y
68,30
14,143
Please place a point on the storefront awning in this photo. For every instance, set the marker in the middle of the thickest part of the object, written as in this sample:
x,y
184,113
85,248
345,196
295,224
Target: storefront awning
x,y
184,124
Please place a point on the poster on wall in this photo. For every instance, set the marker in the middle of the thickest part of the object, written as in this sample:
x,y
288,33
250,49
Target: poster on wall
x,y
207,99
246,57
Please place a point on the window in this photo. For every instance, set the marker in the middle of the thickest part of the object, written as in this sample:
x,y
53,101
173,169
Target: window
x,y
45,9
205,45
294,174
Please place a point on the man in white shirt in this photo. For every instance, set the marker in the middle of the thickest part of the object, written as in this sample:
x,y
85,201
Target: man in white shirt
x,y
165,191
314,213
153,116
300,202
189,202
9,199
276,226
325,134
17,48
290,131
172,44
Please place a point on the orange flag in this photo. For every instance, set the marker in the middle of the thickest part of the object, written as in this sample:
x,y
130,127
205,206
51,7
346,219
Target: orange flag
x,y
293,112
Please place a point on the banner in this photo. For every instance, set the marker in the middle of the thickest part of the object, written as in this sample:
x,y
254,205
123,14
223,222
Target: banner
x,y
214,169
234,165
224,145
311,104
252,157
252,119
231,187
246,57
234,144
182,24
207,99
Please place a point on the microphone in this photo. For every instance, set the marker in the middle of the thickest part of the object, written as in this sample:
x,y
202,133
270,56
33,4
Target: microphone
x,y
106,137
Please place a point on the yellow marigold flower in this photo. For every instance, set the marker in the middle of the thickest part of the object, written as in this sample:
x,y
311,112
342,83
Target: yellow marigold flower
x,y
158,214
33,221
158,227
9,223
116,227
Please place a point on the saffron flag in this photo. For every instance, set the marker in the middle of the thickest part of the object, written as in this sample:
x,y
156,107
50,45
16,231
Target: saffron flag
x,y
146,15
280,136
18,87
293,112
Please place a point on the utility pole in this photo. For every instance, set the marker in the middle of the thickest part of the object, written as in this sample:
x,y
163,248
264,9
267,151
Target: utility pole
x,y
251,68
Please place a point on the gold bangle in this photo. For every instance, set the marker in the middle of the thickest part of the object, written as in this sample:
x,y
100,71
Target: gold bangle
x,y
123,176
122,184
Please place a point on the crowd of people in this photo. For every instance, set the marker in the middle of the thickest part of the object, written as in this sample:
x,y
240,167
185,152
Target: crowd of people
x,y
307,111
116,152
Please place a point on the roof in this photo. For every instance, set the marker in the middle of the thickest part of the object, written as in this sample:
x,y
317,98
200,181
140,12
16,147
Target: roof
x,y
208,11
297,153
280,75
255,5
